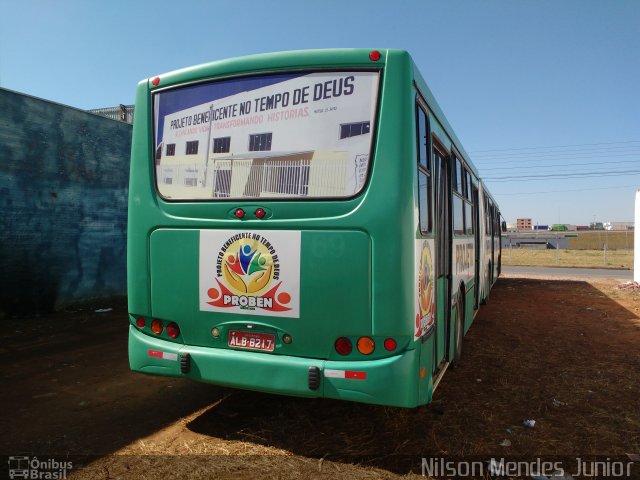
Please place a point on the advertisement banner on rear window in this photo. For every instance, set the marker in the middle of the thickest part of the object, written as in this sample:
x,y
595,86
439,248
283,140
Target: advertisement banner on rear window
x,y
293,135
251,272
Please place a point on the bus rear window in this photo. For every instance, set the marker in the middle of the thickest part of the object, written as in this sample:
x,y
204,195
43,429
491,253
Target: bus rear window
x,y
292,135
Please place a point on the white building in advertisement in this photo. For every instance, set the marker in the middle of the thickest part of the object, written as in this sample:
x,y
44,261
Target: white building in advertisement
x,y
307,136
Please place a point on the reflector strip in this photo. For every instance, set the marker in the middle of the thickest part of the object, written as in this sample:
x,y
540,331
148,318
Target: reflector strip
x,y
349,374
163,355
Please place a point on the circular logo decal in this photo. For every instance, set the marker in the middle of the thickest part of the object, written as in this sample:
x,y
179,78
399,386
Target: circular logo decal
x,y
424,317
247,267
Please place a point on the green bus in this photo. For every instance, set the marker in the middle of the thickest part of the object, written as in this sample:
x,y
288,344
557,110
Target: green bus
x,y
304,223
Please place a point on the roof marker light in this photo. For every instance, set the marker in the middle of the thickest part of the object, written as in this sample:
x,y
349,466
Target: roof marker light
x,y
239,213
156,81
374,55
260,213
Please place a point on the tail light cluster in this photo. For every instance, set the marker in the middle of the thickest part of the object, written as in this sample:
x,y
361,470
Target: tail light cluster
x,y
364,345
157,327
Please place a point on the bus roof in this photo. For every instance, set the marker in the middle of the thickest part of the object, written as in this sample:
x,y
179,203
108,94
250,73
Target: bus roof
x,y
307,59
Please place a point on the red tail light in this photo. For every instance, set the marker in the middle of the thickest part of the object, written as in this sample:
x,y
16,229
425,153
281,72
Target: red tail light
x,y
390,344
343,346
140,322
173,330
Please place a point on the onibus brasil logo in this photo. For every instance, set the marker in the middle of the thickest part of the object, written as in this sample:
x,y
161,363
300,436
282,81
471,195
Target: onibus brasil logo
x,y
248,275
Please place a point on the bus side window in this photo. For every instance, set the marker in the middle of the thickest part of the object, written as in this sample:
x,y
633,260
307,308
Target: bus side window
x,y
468,205
458,177
424,170
457,197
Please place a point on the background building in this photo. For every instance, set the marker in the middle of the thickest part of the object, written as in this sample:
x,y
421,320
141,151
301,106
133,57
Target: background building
x,y
523,224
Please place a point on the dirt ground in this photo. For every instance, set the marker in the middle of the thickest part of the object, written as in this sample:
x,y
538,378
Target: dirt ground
x,y
562,352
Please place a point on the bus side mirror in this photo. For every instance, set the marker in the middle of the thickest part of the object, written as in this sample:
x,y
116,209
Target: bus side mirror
x,y
504,226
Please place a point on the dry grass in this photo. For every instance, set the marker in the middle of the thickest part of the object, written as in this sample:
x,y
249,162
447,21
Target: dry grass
x,y
567,258
597,240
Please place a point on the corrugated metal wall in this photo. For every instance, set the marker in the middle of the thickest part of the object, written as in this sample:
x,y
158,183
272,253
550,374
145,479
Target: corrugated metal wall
x,y
63,205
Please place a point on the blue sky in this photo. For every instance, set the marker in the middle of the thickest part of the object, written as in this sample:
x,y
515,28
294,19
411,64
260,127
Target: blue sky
x,y
532,88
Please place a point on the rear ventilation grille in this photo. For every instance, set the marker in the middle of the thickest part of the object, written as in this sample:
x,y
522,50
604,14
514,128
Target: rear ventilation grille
x,y
314,378
185,363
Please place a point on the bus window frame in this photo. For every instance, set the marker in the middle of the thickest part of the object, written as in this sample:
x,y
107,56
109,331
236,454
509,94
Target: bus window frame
x,y
442,261
456,161
465,194
420,105
211,79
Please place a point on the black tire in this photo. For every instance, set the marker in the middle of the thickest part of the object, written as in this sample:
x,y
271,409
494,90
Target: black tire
x,y
459,333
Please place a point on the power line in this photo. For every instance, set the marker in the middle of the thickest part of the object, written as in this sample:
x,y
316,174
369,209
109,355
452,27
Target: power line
x,y
497,194
553,176
560,153
554,146
484,169
552,157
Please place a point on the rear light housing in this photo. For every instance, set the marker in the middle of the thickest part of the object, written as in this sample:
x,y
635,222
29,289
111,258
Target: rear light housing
x,y
343,346
173,330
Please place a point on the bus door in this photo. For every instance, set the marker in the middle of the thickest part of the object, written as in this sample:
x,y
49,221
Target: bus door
x,y
443,255
476,240
499,237
492,233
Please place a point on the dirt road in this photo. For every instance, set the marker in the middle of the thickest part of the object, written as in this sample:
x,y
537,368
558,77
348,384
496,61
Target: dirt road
x,y
564,353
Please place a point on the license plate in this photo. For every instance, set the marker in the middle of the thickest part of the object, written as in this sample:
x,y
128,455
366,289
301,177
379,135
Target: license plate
x,y
252,340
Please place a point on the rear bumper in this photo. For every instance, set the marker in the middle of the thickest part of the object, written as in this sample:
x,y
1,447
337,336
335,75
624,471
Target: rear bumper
x,y
388,381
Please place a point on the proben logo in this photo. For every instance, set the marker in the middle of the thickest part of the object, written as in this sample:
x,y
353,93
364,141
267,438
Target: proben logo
x,y
250,272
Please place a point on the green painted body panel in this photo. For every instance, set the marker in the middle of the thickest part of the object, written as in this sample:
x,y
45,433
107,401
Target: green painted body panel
x,y
357,265
385,381
335,294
